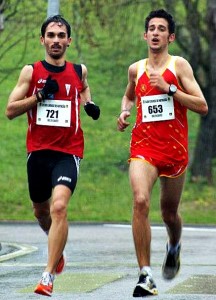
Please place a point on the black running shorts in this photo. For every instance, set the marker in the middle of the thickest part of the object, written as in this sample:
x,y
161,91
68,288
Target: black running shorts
x,y
46,169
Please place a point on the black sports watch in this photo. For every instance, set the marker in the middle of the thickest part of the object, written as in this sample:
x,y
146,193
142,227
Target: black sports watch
x,y
172,89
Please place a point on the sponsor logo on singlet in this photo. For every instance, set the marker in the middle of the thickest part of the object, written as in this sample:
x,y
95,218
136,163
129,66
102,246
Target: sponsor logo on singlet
x,y
41,80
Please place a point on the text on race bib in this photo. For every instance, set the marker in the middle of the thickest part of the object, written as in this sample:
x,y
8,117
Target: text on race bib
x,y
157,108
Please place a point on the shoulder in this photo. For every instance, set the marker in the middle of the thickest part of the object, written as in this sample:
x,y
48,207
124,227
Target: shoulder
x,y
133,67
181,62
136,69
84,72
84,68
28,68
182,66
26,72
132,71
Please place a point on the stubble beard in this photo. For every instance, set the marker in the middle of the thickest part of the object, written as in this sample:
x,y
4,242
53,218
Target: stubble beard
x,y
56,56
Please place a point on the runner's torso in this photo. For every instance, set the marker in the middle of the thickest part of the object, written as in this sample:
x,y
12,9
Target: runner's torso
x,y
161,129
44,131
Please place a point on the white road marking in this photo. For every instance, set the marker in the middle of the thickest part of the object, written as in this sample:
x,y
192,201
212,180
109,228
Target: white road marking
x,y
158,227
21,249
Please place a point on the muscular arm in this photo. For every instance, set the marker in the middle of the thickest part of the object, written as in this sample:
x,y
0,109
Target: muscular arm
x,y
17,102
90,108
85,95
193,97
128,98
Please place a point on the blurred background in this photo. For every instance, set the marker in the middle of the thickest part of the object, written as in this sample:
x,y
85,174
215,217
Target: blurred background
x,y
107,36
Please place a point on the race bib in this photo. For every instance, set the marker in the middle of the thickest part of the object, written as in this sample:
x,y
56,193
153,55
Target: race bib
x,y
157,108
54,113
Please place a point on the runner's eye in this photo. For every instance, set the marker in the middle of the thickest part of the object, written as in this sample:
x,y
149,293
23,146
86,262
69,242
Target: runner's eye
x,y
62,35
50,34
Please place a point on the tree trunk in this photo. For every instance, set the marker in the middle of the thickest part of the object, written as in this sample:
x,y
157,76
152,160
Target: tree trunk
x,y
204,152
201,167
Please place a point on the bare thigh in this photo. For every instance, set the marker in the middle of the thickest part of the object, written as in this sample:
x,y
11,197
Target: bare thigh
x,y
142,178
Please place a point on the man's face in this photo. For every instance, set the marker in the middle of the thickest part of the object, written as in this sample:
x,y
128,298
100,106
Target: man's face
x,y
157,35
55,40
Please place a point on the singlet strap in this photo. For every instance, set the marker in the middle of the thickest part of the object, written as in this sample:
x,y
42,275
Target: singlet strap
x,y
141,68
172,64
78,69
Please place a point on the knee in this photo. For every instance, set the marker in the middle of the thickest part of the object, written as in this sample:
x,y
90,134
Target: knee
x,y
141,205
41,213
169,217
58,209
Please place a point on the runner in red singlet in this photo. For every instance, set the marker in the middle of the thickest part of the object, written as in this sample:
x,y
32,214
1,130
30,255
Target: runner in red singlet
x,y
50,92
163,87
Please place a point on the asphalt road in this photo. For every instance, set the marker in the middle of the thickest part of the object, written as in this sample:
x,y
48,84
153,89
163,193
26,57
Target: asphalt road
x,y
101,263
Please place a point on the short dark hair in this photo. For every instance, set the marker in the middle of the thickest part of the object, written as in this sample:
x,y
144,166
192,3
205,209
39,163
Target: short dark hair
x,y
56,19
161,13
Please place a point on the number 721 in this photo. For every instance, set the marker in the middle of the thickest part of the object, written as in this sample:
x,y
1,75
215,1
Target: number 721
x,y
52,114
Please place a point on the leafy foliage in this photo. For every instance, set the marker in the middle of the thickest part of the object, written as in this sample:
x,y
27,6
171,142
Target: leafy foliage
x,y
107,37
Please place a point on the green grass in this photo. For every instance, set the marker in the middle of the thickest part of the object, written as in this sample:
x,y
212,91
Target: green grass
x,y
103,192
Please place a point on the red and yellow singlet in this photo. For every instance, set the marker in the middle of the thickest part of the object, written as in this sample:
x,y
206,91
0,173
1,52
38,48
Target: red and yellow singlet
x,y
160,134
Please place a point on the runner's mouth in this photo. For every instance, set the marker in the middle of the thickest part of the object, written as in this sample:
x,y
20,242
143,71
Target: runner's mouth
x,y
55,47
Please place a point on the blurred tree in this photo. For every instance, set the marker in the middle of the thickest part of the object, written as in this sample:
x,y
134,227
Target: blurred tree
x,y
205,148
198,44
115,29
2,7
21,17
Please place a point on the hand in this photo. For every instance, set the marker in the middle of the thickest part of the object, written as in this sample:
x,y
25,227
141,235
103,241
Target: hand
x,y
122,124
50,87
158,81
92,110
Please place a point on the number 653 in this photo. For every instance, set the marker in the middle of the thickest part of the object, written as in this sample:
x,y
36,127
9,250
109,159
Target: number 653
x,y
155,109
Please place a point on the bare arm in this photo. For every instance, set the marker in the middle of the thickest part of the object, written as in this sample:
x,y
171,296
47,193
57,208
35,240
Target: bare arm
x,y
17,102
191,96
90,108
85,95
128,98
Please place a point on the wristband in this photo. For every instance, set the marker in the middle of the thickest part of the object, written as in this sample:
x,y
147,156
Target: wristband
x,y
89,101
123,111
